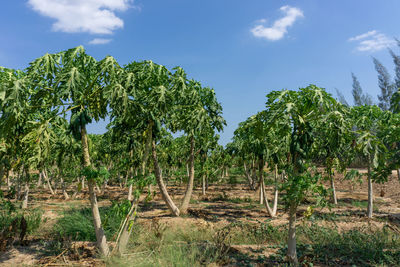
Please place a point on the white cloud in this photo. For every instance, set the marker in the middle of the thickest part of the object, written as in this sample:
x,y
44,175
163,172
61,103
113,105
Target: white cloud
x,y
279,28
372,41
97,41
363,36
92,16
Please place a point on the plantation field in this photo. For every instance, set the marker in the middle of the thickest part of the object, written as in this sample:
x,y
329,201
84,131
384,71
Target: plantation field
x,y
226,227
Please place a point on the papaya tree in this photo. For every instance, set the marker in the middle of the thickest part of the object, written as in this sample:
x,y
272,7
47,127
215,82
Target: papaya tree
x,y
76,83
293,115
198,114
335,143
370,122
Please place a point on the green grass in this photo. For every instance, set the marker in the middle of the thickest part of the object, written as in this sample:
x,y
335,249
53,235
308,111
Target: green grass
x,y
77,224
360,247
162,246
9,213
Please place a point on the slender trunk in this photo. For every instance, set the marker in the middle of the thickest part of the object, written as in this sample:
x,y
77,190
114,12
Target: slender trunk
x,y
262,189
50,188
261,181
130,198
26,193
203,188
126,179
55,185
83,183
98,189
291,252
276,193
206,182
100,236
48,182
64,191
164,193
104,186
8,180
370,194
334,198
19,186
248,176
253,170
2,174
398,174
39,183
260,192
227,172
126,229
146,154
189,188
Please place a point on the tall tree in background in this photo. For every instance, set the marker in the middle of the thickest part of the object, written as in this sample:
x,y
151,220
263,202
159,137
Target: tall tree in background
x,y
396,61
385,84
341,97
360,99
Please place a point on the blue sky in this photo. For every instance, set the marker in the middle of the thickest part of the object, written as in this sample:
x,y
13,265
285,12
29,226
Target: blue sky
x,y
243,49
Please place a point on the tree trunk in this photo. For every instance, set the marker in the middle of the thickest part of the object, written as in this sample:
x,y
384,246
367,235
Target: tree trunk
x,y
8,180
276,193
98,189
39,183
334,198
261,193
26,193
261,180
248,176
189,188
18,195
291,252
203,188
104,186
130,198
48,182
126,229
146,154
100,236
164,193
370,193
64,191
262,189
2,174
398,174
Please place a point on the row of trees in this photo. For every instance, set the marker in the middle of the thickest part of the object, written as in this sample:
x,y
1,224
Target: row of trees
x,y
146,103
45,109
300,130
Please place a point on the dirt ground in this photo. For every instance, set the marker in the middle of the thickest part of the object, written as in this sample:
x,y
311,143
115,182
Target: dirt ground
x,y
221,205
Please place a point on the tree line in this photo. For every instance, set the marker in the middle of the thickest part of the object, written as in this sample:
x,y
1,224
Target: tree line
x,y
46,108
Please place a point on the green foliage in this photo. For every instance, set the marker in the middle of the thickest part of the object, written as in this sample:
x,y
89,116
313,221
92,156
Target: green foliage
x,y
98,175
